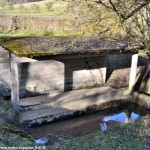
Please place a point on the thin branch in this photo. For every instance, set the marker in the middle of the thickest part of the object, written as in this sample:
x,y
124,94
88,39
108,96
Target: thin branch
x,y
103,4
115,9
137,9
121,15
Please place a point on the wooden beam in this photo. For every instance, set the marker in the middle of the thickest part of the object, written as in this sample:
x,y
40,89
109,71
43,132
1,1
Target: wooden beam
x,y
133,71
14,83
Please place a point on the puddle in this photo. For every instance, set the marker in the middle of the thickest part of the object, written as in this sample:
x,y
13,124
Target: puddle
x,y
82,125
123,117
43,140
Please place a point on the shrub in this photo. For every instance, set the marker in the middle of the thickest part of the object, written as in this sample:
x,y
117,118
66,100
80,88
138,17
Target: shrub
x,y
35,8
10,6
22,8
49,6
2,5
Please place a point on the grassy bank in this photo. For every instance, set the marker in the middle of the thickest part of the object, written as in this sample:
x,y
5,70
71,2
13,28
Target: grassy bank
x,y
27,33
126,137
49,8
30,23
10,132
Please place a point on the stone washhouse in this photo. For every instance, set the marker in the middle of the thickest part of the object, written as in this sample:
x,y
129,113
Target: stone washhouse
x,y
65,76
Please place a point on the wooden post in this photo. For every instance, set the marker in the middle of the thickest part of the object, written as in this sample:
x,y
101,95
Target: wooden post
x,y
133,70
14,83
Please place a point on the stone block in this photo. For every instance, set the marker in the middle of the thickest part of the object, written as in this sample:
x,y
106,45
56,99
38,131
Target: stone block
x,y
142,99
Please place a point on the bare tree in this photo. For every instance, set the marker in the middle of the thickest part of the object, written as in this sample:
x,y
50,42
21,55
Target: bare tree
x,y
134,17
114,19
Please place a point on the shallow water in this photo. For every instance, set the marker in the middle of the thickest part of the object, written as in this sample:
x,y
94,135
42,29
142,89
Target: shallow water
x,y
86,124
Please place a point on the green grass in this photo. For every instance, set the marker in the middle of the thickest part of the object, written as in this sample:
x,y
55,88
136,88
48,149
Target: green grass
x,y
142,53
1,97
126,137
58,9
27,33
41,14
10,132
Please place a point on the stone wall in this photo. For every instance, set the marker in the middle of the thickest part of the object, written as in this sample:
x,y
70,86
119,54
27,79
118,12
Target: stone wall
x,y
20,1
143,84
37,77
4,73
60,75
119,73
24,1
118,70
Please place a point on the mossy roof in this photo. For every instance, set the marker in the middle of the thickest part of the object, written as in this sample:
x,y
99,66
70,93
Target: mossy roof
x,y
46,46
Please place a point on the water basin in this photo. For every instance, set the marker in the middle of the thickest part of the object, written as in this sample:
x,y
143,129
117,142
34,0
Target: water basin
x,y
86,124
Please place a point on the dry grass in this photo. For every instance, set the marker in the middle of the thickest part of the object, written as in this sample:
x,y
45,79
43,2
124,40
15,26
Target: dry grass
x,y
40,8
35,23
42,3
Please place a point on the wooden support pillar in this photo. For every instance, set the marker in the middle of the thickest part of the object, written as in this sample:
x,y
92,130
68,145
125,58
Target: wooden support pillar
x,y
14,83
133,71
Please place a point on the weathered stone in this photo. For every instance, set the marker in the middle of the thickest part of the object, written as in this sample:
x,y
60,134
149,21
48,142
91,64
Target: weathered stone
x,y
145,84
69,103
4,73
142,99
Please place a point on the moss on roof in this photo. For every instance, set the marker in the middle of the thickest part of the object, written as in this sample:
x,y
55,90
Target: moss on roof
x,y
46,46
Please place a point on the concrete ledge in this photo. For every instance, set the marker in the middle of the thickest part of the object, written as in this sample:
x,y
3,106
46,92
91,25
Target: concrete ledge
x,y
142,99
47,109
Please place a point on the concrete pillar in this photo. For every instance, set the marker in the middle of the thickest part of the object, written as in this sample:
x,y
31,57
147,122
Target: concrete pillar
x,y
133,71
14,83
104,74
104,69
127,118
